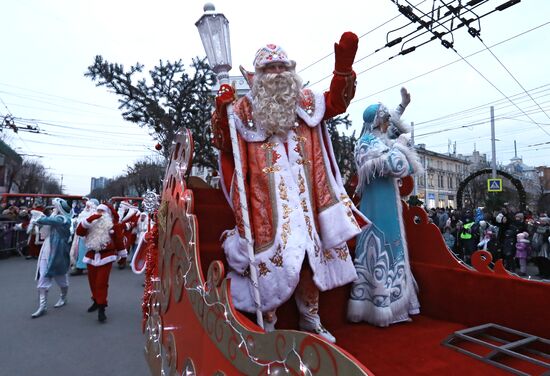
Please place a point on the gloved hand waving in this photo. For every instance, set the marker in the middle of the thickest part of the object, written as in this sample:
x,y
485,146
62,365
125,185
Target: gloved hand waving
x,y
344,52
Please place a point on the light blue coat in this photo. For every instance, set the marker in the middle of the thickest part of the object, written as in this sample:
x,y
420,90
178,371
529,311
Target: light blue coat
x,y
60,232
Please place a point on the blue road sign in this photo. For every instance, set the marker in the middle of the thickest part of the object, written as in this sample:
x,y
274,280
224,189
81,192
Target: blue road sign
x,y
494,185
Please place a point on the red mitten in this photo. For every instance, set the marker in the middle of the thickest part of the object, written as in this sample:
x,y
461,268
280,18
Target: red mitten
x,y
225,96
344,52
93,217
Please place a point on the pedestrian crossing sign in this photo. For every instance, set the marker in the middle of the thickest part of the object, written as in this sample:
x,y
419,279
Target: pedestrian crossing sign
x,y
494,185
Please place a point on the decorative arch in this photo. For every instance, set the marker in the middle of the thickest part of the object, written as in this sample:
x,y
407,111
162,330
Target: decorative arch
x,y
516,182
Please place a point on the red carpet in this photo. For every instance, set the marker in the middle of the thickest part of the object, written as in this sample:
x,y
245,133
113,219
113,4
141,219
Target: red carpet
x,y
451,299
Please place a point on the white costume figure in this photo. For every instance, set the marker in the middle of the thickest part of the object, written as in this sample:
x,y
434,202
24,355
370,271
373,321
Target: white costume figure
x,y
385,291
300,214
54,260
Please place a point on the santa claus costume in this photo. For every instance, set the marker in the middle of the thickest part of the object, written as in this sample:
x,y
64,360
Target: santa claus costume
x,y
53,260
104,245
128,220
300,214
78,247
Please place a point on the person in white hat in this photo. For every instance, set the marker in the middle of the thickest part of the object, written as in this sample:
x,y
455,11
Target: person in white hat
x,y
78,247
128,220
300,214
385,292
54,259
104,243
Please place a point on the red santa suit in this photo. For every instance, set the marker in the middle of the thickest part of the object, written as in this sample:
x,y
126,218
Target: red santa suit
x,y
104,243
128,223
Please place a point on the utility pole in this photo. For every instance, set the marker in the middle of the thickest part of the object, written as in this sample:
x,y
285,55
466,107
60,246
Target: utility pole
x,y
493,149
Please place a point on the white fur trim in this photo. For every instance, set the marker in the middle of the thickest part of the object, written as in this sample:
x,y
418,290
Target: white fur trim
x,y
98,261
314,118
236,251
130,214
122,254
412,158
85,223
334,233
138,262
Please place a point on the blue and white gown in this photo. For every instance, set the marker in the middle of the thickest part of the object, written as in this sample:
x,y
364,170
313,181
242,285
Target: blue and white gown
x,y
385,291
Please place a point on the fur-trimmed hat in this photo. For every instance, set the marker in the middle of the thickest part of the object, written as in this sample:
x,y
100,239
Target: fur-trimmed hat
x,y
126,205
375,114
272,53
62,206
110,210
523,237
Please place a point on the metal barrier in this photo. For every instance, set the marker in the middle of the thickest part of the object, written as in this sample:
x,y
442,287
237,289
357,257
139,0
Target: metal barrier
x,y
12,238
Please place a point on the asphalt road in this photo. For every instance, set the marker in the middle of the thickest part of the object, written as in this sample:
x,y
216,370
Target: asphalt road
x,y
69,340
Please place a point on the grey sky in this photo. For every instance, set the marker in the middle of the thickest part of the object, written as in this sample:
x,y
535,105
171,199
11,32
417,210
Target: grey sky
x,y
47,46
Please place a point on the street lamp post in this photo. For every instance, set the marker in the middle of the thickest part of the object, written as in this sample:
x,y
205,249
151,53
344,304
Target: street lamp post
x,y
214,32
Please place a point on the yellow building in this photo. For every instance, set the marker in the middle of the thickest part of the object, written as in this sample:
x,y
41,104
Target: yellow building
x,y
443,173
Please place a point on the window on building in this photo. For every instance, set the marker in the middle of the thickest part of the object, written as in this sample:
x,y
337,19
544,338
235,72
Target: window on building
x,y
431,180
421,181
439,181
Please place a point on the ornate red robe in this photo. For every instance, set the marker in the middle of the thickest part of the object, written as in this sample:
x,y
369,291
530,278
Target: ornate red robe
x,y
297,203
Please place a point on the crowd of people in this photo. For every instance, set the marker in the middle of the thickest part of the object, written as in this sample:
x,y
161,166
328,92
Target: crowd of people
x,y
73,240
515,237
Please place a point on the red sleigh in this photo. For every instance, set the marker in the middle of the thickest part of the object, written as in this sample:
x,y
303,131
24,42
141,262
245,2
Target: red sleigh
x,y
192,328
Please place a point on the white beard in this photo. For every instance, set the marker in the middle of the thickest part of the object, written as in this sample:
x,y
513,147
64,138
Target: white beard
x,y
98,234
275,97
85,214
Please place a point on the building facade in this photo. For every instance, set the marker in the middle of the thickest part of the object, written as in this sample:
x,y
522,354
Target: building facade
x,y
97,183
443,173
10,162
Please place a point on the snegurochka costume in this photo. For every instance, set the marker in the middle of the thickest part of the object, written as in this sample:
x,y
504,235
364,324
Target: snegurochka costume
x,y
54,259
385,291
297,203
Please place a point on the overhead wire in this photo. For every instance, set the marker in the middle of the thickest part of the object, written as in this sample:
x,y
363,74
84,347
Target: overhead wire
x,y
361,36
60,97
445,65
484,77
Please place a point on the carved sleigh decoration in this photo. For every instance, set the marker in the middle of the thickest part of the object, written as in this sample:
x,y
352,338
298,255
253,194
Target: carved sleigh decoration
x,y
192,325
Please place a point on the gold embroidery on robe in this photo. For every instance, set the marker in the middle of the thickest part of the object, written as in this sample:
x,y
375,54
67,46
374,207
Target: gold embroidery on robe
x,y
342,252
262,267
277,258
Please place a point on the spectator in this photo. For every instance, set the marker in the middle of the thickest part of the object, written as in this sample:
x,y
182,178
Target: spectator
x,y
523,250
449,238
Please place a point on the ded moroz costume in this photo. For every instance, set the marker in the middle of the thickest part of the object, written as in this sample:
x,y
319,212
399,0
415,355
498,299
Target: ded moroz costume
x,y
104,243
297,204
78,248
129,220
